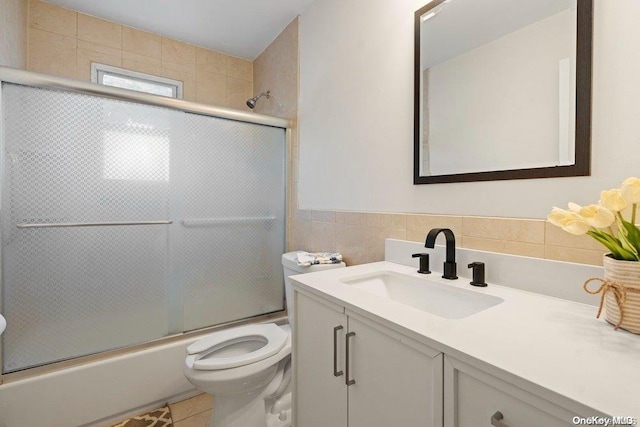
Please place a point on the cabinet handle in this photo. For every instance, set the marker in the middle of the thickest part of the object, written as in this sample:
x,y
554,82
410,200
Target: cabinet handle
x,y
347,381
496,420
336,373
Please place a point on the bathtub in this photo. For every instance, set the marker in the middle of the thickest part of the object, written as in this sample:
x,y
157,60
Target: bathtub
x,y
99,393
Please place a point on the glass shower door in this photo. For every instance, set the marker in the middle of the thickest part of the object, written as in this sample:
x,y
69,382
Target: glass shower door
x,y
123,223
232,228
75,280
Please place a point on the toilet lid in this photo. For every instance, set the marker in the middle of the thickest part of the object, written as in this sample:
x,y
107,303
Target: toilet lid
x,y
271,333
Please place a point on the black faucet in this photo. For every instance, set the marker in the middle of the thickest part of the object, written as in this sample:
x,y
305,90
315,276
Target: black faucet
x,y
450,263
478,274
424,263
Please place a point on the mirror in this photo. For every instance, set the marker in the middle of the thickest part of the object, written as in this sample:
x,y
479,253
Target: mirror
x,y
502,90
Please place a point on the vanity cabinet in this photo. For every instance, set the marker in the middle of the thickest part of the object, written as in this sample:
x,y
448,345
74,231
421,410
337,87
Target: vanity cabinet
x,y
320,397
474,398
351,371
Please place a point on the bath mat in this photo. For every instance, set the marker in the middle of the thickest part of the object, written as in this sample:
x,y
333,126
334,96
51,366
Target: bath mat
x,y
158,418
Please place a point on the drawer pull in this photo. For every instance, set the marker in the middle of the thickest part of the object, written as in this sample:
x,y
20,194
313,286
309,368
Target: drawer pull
x,y
496,420
347,381
336,373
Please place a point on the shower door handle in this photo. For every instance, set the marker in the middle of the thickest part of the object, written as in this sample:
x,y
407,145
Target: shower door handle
x,y
496,420
90,224
336,373
347,381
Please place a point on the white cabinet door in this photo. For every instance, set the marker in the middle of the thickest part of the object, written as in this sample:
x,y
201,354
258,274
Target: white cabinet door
x,y
320,396
474,398
398,381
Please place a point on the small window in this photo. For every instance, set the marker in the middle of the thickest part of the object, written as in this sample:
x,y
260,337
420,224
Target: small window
x,y
132,80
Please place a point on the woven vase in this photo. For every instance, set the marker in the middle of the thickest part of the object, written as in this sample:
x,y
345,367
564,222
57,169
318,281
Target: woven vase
x,y
626,273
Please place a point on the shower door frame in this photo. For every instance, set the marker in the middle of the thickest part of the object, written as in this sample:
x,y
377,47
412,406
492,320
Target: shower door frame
x,y
33,79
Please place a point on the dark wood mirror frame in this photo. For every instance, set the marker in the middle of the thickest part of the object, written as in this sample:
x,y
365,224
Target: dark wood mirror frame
x,y
582,166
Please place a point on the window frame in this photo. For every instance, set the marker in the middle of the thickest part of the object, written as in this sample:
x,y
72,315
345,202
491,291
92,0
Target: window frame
x,y
98,71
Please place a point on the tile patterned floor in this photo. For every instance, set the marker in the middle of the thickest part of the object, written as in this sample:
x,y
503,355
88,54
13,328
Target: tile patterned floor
x,y
194,412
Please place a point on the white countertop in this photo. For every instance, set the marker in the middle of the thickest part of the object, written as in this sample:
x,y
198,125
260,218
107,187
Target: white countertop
x,y
552,343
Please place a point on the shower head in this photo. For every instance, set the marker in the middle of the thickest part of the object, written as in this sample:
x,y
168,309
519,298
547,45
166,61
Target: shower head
x,y
251,102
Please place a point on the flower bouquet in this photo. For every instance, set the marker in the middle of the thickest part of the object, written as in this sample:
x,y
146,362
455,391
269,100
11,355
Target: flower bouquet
x,y
610,223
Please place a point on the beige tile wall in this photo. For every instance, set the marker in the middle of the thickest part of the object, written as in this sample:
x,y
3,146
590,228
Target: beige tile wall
x,y
359,236
13,33
276,69
65,43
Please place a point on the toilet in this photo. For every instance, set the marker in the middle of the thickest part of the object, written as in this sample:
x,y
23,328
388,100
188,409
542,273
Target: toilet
x,y
248,368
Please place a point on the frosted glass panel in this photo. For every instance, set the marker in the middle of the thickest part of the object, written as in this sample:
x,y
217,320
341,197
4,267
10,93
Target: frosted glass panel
x,y
74,158
233,220
85,160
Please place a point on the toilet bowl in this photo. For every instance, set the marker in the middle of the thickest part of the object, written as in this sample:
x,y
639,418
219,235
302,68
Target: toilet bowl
x,y
238,366
248,368
238,360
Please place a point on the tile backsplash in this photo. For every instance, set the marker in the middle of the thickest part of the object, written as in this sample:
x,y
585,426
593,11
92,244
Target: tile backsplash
x,y
359,236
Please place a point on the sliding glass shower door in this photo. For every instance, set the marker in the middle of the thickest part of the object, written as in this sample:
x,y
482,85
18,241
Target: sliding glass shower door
x,y
232,230
123,223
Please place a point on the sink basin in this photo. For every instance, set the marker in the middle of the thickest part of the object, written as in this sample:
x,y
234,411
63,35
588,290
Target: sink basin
x,y
436,298
3,324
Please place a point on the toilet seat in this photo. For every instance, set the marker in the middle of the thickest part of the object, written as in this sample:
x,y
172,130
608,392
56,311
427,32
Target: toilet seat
x,y
274,337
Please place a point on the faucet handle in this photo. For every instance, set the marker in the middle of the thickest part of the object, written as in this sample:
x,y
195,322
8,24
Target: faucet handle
x,y
478,274
424,263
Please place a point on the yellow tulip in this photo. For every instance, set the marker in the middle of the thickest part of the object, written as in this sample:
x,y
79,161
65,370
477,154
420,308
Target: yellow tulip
x,y
576,224
613,200
558,216
597,216
631,190
570,221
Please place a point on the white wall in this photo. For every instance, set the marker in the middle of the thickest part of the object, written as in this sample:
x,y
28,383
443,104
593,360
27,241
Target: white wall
x,y
356,116
496,107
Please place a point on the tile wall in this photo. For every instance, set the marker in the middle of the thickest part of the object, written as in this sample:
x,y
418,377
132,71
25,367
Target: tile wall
x,y
65,42
359,236
276,69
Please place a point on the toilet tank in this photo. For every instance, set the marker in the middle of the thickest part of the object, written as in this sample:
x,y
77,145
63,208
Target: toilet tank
x,y
290,267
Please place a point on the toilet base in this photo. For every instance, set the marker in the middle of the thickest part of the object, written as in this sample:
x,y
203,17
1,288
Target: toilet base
x,y
248,411
239,411
280,415
268,406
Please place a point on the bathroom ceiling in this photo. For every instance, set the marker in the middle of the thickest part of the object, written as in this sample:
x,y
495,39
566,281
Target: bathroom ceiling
x,y
242,28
